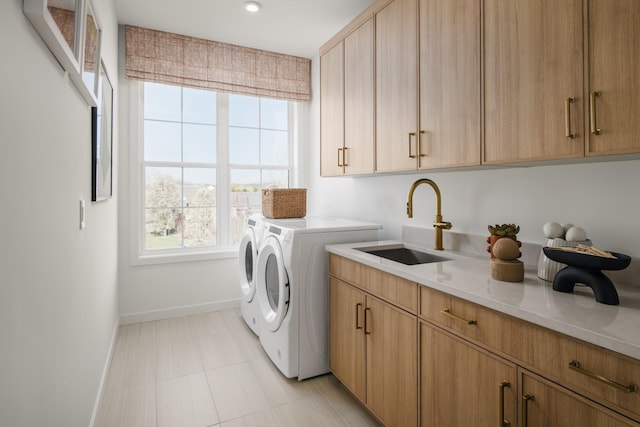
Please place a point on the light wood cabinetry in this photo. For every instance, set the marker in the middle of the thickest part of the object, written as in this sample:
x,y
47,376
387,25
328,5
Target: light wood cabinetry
x,y
332,111
462,384
347,105
614,73
544,403
449,134
397,86
533,64
362,331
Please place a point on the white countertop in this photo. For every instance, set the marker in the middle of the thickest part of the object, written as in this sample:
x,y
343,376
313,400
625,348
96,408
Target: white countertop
x,y
615,327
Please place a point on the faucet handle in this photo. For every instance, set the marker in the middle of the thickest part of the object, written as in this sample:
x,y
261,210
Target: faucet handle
x,y
443,224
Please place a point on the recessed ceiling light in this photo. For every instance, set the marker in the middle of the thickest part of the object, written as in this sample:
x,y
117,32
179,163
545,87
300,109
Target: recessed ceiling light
x,y
252,6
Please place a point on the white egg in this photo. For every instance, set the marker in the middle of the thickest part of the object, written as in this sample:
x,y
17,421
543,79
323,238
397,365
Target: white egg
x,y
576,234
566,226
553,230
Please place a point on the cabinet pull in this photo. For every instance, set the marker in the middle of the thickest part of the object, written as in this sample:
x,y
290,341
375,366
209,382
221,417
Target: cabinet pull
x,y
525,406
367,331
358,307
448,313
592,111
503,422
340,155
422,132
411,155
344,156
631,388
567,117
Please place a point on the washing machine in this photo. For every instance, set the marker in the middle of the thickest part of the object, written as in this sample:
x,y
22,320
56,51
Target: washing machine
x,y
292,289
247,257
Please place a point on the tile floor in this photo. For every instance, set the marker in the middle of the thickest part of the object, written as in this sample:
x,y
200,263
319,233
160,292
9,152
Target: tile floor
x,y
209,370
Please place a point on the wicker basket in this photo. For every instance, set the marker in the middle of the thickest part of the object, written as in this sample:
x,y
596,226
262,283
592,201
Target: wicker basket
x,y
284,202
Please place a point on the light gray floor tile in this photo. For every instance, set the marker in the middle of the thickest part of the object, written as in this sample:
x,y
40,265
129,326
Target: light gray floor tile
x,y
185,402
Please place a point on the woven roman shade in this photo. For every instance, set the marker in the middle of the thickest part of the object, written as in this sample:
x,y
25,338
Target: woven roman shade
x,y
156,56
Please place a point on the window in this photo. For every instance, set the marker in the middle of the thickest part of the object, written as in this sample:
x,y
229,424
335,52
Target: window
x,y
205,158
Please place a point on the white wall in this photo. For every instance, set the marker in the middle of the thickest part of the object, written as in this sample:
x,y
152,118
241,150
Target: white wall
x,y
601,197
58,285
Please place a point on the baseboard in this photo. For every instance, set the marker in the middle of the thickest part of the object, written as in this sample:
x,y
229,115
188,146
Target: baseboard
x,y
105,372
127,319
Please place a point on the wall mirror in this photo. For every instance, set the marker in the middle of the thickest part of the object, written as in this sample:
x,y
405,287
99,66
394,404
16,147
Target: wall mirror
x,y
62,25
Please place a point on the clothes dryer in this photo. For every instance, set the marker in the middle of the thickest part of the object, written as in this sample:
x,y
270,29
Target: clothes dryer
x,y
292,289
247,257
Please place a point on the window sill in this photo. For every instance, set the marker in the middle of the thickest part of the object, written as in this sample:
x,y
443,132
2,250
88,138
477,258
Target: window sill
x,y
170,257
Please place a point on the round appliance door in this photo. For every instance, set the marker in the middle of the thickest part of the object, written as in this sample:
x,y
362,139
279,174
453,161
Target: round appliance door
x,y
272,284
247,257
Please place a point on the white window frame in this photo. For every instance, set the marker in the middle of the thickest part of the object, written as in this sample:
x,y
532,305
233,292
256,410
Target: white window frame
x,y
138,254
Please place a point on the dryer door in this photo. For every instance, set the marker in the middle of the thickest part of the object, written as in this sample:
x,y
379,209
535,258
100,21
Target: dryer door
x,y
272,284
247,258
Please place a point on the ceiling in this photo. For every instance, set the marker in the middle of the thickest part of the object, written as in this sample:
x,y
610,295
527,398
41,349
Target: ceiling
x,y
295,27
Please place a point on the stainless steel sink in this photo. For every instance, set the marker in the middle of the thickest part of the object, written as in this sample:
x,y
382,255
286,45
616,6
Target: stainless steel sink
x,y
404,255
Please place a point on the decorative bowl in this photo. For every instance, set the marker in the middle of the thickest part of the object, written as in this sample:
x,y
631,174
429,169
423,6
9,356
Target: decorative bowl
x,y
586,261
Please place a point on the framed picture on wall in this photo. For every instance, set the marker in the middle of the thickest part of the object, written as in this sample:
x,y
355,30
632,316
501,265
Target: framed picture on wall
x,y
102,140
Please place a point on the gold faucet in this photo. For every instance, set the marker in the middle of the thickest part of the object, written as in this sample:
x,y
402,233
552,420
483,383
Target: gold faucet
x,y
438,224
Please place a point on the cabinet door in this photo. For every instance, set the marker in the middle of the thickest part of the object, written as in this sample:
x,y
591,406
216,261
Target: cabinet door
x,y
533,63
397,86
392,366
449,83
614,72
332,111
346,336
359,113
463,385
546,404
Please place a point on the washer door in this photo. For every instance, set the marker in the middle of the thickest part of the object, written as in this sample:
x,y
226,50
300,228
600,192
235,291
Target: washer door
x,y
272,284
247,257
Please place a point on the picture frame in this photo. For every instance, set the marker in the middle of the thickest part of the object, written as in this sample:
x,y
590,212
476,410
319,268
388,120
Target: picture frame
x,y
102,140
72,32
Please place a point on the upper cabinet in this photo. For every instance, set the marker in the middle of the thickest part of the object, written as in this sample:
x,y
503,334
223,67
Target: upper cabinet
x,y
449,132
397,86
533,80
347,104
429,84
614,77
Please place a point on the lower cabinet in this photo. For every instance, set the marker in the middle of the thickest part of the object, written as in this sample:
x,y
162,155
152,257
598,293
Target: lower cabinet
x,y
373,352
463,385
544,403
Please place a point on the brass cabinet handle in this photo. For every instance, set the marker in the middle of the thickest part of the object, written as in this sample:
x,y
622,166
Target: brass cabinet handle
x,y
502,385
358,307
525,406
592,110
367,331
422,132
630,388
344,156
567,118
339,157
448,313
411,155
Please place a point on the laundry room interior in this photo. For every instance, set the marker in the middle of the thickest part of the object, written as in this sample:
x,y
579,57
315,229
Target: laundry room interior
x,y
336,213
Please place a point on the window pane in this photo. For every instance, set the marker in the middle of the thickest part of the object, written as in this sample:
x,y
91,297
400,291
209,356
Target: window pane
x,y
274,114
162,102
246,199
161,141
163,228
199,227
277,178
274,147
163,187
199,106
199,143
244,111
244,146
199,187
